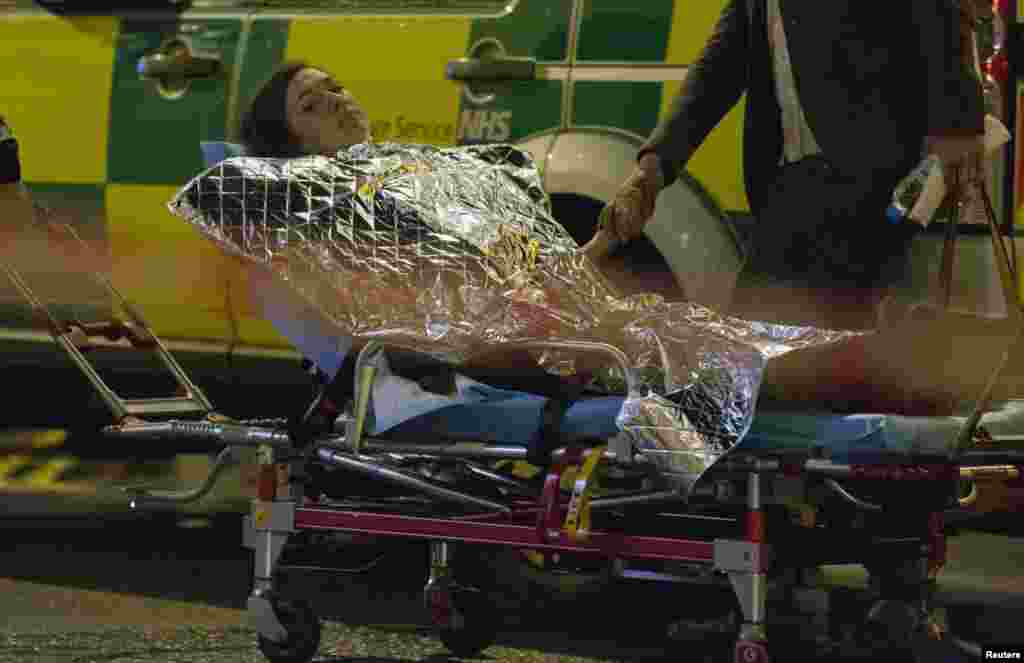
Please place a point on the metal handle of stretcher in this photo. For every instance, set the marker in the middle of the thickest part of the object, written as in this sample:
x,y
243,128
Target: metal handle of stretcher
x,y
193,401
141,495
236,436
613,352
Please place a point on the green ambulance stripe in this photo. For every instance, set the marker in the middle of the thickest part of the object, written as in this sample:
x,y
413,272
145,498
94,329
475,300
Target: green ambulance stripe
x,y
264,51
155,140
615,31
619,31
611,31
537,29
666,31
630,106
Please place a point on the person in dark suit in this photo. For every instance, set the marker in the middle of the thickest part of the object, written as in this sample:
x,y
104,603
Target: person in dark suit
x,y
843,99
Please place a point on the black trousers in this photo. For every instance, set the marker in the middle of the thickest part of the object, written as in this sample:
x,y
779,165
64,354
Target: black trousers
x,y
822,252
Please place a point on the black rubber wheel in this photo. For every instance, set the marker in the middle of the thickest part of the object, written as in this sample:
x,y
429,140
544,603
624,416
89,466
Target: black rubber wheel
x,y
705,628
472,625
303,626
893,631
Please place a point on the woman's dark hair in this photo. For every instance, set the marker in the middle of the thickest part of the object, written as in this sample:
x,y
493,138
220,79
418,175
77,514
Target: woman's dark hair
x,y
264,131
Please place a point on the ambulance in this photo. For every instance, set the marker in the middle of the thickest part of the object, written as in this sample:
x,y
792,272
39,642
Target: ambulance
x,y
110,101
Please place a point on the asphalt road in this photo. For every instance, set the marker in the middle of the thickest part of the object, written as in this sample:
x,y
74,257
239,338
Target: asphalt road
x,y
84,591
128,591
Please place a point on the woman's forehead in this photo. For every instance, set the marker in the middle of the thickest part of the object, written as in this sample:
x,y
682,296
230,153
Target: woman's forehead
x,y
305,79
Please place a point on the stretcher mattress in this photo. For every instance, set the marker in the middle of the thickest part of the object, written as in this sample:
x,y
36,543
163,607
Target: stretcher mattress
x,y
514,418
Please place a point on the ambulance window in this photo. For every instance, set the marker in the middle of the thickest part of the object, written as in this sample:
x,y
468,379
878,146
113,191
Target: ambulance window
x,y
450,7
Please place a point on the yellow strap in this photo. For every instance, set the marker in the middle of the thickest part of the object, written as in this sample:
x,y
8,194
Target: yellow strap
x,y
521,469
577,520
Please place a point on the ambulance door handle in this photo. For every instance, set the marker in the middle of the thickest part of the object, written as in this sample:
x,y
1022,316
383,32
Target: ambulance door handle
x,y
492,69
175,60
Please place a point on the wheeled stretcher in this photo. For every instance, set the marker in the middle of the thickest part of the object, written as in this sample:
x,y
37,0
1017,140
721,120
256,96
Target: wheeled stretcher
x,y
797,490
802,490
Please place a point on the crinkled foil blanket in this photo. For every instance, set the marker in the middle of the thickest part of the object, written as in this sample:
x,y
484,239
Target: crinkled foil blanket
x,y
450,250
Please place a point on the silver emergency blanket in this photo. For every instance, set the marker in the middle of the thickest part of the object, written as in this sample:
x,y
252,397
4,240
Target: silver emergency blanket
x,y
453,250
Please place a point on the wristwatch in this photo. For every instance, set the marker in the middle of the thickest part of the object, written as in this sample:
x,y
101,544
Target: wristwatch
x,y
10,165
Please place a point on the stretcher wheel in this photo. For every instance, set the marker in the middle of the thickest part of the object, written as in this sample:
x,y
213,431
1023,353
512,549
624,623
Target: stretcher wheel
x,y
896,630
707,620
891,623
303,626
463,617
751,651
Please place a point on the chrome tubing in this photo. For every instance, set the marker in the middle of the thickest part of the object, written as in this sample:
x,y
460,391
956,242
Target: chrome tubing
x,y
850,497
611,351
827,468
559,454
459,449
634,500
747,464
231,434
143,496
334,457
462,450
501,480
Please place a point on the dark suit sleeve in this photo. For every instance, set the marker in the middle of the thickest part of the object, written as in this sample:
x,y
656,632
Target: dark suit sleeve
x,y
713,85
954,95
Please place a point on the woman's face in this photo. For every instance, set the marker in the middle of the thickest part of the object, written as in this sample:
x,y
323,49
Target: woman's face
x,y
323,115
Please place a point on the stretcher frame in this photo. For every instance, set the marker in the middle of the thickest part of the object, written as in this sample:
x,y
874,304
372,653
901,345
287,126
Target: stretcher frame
x,y
283,507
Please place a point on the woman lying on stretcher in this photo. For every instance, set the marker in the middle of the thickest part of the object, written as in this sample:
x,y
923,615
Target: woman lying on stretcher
x,y
302,110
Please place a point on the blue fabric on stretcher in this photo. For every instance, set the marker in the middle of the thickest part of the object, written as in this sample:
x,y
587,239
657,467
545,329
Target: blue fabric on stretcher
x,y
513,420
845,438
402,410
516,419
867,438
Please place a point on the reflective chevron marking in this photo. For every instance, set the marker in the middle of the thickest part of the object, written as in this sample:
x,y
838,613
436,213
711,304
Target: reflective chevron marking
x,y
47,439
49,473
26,473
11,465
